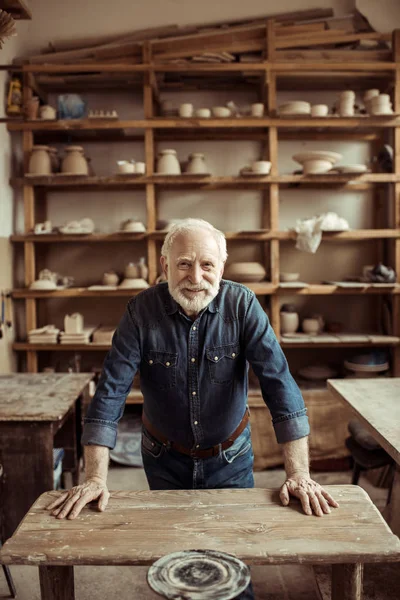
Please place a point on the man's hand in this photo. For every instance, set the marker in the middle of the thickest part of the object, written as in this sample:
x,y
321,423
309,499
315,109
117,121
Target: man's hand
x,y
71,502
312,496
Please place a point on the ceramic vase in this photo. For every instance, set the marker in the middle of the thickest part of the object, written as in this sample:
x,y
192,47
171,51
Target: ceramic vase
x,y
168,163
131,271
289,322
196,164
40,162
74,161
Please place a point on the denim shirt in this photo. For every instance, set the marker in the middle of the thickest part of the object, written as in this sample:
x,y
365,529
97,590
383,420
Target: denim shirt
x,y
193,374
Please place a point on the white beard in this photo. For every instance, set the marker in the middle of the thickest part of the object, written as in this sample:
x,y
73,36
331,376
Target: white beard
x,y
196,304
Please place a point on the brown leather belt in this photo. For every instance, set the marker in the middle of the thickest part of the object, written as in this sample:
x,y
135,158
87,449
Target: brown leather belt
x,y
197,453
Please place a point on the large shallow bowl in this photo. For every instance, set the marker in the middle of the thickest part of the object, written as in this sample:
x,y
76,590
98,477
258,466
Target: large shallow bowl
x,y
332,157
245,272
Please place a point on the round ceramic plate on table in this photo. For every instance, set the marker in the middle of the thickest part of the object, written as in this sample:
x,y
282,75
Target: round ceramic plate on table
x,y
199,575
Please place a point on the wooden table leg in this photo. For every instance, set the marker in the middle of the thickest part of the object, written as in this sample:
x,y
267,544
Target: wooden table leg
x,y
57,583
347,581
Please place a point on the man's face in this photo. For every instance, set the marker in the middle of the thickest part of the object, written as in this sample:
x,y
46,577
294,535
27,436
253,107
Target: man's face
x,y
193,269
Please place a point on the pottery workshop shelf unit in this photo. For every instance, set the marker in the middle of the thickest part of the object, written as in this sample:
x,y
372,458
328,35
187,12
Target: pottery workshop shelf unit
x,y
281,70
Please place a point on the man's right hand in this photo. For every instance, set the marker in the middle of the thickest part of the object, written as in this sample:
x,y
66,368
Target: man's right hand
x,y
71,502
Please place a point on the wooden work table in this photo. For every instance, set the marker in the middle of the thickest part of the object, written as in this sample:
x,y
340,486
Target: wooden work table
x,y
139,527
38,412
376,403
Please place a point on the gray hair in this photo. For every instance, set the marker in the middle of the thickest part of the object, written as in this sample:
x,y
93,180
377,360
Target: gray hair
x,y
185,226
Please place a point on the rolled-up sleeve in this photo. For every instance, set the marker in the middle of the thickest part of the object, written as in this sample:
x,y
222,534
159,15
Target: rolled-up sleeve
x,y
280,392
119,369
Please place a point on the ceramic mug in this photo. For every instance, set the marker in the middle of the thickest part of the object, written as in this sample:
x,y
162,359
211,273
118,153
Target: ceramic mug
x,y
319,110
262,167
140,167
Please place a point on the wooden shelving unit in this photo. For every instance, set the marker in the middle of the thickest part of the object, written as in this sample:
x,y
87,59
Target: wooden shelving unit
x,y
340,70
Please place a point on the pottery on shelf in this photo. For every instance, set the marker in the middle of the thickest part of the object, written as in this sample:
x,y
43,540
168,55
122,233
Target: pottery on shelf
x,y
73,323
40,161
74,161
203,113
143,268
296,107
262,167
186,110
317,161
196,164
31,108
221,111
257,109
245,272
138,283
286,276
168,163
311,326
125,166
110,278
289,321
140,168
47,112
319,110
132,226
131,271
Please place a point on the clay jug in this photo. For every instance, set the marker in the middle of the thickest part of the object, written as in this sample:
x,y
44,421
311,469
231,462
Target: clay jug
x,y
196,164
40,162
168,163
74,161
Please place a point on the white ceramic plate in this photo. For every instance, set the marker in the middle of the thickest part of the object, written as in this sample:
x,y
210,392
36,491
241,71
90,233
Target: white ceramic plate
x,y
354,169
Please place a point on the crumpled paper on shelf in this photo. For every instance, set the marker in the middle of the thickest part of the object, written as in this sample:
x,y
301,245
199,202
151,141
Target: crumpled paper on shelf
x,y
309,231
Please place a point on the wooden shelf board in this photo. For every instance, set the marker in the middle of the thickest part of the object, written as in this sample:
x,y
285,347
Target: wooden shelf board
x,y
83,182
80,292
350,123
261,288
286,345
83,239
25,346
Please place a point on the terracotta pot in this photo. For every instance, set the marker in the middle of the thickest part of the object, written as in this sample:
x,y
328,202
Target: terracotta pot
x,y
40,162
74,161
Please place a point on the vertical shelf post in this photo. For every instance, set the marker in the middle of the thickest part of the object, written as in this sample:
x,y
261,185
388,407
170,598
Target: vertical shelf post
x,y
396,202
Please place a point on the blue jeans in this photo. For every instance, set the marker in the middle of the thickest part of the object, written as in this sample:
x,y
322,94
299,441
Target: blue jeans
x,y
167,469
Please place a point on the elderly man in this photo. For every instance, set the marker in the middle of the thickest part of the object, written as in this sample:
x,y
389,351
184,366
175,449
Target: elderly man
x,y
192,339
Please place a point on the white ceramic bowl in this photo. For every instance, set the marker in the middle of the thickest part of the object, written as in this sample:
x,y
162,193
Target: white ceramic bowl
x,y
319,110
221,111
203,113
315,166
134,283
263,167
245,272
310,326
297,106
43,284
332,157
286,276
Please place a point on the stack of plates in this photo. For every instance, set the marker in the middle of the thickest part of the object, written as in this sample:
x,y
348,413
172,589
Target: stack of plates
x,y
77,338
44,335
295,108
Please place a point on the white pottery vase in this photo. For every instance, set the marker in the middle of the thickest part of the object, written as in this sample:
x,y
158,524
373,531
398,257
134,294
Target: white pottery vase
x,y
74,161
197,164
168,163
289,322
40,161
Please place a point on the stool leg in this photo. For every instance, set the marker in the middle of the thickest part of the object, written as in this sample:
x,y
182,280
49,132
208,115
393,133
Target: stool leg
x,y
356,474
347,581
57,583
10,583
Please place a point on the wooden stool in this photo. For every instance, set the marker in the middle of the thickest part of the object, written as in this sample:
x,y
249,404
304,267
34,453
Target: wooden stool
x,y
139,527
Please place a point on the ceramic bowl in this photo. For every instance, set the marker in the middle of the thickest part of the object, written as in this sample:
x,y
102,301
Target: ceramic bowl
x,y
332,157
125,166
315,166
203,113
43,284
287,276
295,107
246,272
133,226
221,111
319,110
261,166
134,283
310,326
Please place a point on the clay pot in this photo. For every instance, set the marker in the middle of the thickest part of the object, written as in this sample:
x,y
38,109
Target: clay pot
x,y
131,271
245,272
110,278
196,164
311,326
289,322
168,163
74,161
40,162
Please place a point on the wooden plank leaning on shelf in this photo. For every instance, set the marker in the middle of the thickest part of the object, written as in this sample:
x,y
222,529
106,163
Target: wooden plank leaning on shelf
x,y
148,98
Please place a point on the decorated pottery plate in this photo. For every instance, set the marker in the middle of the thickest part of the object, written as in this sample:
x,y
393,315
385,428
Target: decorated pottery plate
x,y
199,575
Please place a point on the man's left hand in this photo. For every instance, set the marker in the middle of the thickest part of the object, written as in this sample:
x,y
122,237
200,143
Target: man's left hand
x,y
313,498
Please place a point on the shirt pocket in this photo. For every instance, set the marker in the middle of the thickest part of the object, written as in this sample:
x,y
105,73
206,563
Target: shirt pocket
x,y
159,369
222,362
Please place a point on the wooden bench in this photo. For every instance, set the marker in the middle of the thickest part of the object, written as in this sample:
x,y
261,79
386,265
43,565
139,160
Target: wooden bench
x,y
139,527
